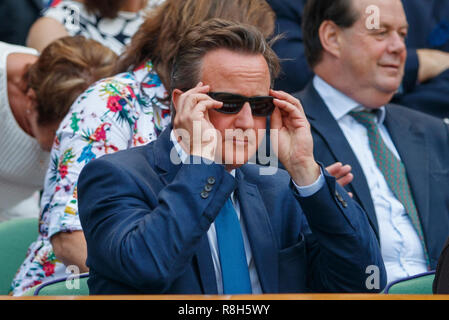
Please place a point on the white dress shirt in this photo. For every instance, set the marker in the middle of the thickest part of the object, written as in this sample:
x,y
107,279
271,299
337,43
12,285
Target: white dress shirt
x,y
401,248
212,234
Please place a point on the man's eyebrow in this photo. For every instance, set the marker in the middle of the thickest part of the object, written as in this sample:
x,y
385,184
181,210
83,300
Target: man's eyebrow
x,y
385,26
389,26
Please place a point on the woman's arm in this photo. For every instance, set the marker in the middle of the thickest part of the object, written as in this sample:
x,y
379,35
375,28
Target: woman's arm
x,y
71,249
43,32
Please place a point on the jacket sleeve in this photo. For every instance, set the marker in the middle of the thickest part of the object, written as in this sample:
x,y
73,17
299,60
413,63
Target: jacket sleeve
x,y
343,251
140,232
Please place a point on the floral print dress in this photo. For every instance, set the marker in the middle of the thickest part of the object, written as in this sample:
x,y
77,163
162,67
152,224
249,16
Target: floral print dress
x,y
117,113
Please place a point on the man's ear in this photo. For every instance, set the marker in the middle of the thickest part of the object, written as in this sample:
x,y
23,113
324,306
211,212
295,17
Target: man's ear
x,y
175,96
329,34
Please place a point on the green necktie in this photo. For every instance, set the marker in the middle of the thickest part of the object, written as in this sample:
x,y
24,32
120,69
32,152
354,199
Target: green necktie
x,y
392,169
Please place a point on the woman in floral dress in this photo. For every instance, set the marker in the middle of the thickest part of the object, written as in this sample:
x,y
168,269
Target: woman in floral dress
x,y
125,111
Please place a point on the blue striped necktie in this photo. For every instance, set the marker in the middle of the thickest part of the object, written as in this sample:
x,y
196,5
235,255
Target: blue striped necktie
x,y
393,171
231,248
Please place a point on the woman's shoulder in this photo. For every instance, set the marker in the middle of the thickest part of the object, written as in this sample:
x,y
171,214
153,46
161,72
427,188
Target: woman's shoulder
x,y
96,96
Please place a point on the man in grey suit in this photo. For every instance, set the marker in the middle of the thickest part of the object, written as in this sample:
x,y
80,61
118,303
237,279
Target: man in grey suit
x,y
399,157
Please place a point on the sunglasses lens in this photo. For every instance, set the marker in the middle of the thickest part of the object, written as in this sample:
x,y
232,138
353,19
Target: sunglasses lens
x,y
262,107
231,103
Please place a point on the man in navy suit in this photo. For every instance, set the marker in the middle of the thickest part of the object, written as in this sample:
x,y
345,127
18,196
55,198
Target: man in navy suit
x,y
425,86
399,157
187,214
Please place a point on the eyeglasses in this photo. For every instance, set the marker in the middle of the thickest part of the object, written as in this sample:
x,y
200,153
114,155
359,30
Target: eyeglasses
x,y
262,106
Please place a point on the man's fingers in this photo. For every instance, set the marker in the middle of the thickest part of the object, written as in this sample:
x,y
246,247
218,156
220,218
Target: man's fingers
x,y
276,119
283,96
285,105
191,100
199,89
343,171
334,168
204,105
347,179
338,170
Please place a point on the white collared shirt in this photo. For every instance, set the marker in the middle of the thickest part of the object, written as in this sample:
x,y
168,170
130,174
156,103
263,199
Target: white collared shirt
x,y
402,251
212,234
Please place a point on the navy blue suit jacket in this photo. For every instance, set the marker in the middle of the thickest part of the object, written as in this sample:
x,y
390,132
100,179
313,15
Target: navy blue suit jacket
x,y
146,225
423,144
429,28
16,18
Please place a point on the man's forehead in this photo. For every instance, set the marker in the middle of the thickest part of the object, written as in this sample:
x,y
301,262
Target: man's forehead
x,y
225,64
384,10
227,61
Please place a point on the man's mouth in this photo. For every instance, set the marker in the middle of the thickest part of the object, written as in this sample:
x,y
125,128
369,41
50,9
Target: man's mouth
x,y
390,66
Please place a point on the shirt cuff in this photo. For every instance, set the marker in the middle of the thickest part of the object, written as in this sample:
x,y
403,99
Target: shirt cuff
x,y
311,189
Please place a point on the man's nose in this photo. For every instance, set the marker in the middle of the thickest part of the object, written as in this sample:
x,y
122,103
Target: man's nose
x,y
397,43
244,119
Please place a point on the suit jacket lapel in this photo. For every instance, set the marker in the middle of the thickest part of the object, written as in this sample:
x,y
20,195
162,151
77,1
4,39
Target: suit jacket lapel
x,y
168,163
414,155
166,158
327,127
260,235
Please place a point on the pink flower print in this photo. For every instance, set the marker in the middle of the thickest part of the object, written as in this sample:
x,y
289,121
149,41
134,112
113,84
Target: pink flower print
x,y
63,171
48,268
114,104
100,132
131,92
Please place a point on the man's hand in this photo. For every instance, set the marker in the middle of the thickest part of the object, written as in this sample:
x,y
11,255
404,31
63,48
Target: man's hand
x,y
292,139
195,133
342,173
431,63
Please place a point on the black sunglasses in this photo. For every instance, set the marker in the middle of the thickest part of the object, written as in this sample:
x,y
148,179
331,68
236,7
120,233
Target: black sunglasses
x,y
262,106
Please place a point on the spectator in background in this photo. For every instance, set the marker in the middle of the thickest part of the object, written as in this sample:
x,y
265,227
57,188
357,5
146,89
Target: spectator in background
x,y
38,93
110,22
16,18
127,110
398,156
425,86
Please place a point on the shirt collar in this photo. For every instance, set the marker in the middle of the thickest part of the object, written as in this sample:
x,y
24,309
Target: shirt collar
x,y
338,103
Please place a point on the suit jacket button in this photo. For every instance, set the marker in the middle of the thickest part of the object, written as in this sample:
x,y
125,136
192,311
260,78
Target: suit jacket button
x,y
208,188
339,197
211,180
204,194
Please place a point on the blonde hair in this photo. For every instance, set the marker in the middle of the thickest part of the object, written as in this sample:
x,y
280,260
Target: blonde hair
x,y
158,37
66,68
